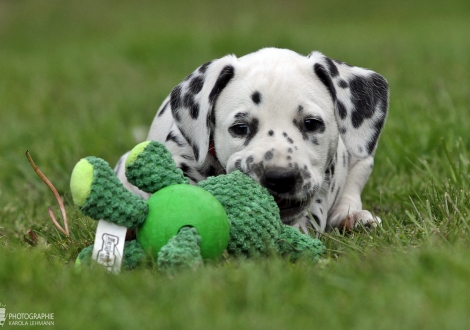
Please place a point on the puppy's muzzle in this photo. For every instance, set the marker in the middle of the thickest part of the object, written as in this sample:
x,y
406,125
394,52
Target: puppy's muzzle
x,y
283,182
280,180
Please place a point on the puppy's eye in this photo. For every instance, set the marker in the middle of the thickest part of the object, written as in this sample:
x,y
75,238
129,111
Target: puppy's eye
x,y
240,129
313,125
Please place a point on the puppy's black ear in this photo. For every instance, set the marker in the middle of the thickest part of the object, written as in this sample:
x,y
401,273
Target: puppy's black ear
x,y
193,102
361,102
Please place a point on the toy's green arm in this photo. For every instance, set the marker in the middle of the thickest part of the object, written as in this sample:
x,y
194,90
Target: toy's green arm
x,y
295,245
150,167
100,195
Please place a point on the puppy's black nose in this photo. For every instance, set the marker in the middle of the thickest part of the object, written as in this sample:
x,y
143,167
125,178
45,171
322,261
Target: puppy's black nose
x,y
279,179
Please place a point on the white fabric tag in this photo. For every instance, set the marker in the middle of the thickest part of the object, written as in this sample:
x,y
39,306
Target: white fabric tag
x,y
109,245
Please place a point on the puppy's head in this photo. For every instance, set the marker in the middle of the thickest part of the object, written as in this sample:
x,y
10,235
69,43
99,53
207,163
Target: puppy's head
x,y
277,116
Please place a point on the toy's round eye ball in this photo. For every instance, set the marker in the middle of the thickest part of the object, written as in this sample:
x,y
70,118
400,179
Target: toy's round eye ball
x,y
178,206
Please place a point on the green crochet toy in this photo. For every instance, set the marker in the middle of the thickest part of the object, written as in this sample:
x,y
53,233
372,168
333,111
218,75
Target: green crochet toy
x,y
181,225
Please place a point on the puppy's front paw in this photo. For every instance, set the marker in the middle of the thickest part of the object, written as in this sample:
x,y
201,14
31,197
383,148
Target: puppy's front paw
x,y
355,218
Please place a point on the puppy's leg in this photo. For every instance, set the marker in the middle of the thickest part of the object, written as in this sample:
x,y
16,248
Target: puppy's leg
x,y
348,211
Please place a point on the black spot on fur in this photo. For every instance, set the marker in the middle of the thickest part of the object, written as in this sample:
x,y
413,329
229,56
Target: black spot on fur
x,y
163,108
226,74
367,93
318,201
289,150
188,102
300,109
343,84
305,172
329,173
256,97
373,140
185,168
172,137
257,168
196,84
210,120
249,161
253,130
175,101
271,133
341,110
269,155
203,68
325,78
196,152
289,157
332,68
290,140
342,130
238,164
314,140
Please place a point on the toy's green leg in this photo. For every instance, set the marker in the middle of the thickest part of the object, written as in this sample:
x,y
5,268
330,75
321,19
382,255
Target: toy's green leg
x,y
181,252
295,245
134,255
150,167
100,195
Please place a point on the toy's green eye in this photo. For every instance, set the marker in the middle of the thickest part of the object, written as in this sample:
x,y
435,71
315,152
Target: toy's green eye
x,y
240,129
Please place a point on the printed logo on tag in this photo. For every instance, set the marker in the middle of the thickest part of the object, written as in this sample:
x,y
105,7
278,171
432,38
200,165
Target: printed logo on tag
x,y
109,245
107,254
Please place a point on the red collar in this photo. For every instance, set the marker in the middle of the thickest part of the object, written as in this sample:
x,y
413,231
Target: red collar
x,y
212,148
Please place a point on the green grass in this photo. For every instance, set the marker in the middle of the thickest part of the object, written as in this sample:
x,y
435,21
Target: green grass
x,y
85,78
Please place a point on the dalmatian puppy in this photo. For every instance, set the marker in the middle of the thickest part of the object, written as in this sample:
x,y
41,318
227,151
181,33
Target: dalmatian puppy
x,y
304,127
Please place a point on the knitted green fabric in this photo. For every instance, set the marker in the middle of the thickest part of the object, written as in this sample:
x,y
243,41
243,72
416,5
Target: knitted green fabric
x,y
109,200
254,218
295,245
181,252
255,225
134,255
154,169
